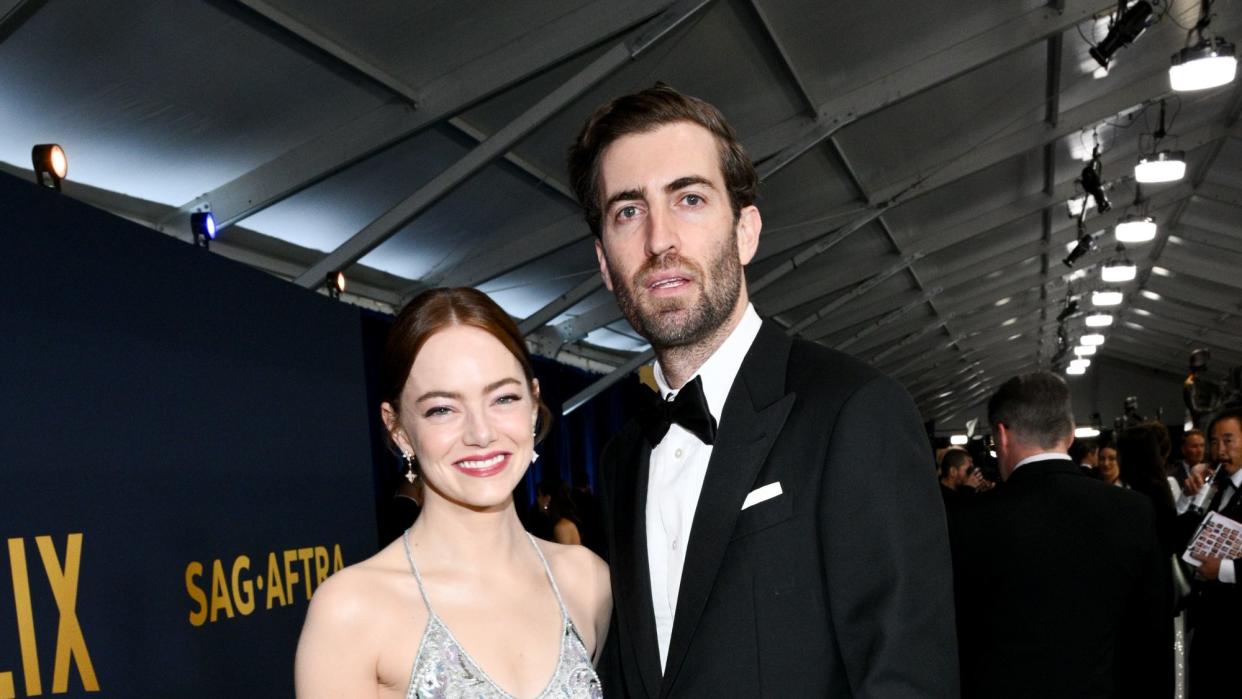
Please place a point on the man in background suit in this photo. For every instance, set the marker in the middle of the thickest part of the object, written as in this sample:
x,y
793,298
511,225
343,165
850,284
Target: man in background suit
x,y
1082,598
775,528
1216,613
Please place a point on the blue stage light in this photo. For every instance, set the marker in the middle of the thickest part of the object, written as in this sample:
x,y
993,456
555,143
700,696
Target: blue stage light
x,y
203,226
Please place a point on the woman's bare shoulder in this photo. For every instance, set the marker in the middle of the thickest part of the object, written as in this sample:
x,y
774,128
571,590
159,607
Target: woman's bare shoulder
x,y
357,594
578,571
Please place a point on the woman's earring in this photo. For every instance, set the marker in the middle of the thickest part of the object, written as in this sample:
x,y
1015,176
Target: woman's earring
x,y
534,455
409,467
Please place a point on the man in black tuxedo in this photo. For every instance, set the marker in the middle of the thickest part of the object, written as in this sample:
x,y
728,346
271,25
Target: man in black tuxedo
x,y
1078,602
1216,613
775,530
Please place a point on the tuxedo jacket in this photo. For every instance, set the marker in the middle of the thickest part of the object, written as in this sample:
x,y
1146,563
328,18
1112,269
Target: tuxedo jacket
x,y
1062,589
838,587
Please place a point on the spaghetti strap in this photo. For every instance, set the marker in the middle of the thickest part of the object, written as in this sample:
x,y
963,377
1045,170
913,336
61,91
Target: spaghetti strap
x,y
547,569
409,556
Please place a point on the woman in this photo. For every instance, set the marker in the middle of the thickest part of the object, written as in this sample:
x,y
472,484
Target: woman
x,y
464,603
1110,470
556,504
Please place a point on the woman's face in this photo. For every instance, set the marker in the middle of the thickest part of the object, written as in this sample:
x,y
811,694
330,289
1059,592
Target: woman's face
x,y
468,415
1108,466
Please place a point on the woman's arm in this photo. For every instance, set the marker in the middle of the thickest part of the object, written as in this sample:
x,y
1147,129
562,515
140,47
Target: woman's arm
x,y
566,532
335,657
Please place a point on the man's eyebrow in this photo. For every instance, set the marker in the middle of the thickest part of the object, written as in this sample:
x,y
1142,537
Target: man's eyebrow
x,y
688,181
637,194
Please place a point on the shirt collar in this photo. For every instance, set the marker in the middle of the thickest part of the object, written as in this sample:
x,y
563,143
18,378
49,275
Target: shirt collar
x,y
1042,456
1236,479
721,368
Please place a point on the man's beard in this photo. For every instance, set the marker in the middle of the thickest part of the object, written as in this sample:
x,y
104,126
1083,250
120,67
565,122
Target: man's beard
x,y
659,322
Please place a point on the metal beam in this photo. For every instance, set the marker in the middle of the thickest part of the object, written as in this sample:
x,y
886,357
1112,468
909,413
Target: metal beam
x,y
852,294
888,318
955,58
14,13
552,309
338,148
388,223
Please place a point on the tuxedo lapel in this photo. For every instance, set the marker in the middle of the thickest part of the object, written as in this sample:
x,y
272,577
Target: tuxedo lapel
x,y
753,416
629,562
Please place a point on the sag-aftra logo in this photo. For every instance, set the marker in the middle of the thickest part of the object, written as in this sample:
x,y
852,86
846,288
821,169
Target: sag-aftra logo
x,y
70,650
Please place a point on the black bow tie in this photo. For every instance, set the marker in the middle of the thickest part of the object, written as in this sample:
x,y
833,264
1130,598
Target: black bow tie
x,y
688,409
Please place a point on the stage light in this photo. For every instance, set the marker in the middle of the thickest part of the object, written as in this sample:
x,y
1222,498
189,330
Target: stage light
x,y
1106,298
49,159
1128,26
958,440
1071,307
1093,185
1134,228
1209,63
1075,370
1084,350
336,284
1099,320
1151,295
1165,166
1092,340
203,228
1082,247
1087,432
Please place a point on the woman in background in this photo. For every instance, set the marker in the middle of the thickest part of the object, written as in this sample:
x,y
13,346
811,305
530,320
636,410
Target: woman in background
x,y
1110,470
465,602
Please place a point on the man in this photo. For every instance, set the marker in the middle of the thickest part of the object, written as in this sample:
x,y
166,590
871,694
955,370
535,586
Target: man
x,y
1087,453
1083,616
1216,615
1194,448
955,468
775,530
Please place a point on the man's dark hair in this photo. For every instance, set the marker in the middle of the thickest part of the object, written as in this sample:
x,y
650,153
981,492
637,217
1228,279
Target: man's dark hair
x,y
1035,408
644,112
953,458
1227,414
1081,447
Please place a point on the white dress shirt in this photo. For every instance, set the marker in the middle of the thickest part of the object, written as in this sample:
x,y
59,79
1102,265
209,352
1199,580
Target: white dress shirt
x,y
1227,573
677,468
1042,456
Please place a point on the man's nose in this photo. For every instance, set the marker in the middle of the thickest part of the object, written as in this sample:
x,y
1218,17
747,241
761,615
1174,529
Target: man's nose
x,y
662,233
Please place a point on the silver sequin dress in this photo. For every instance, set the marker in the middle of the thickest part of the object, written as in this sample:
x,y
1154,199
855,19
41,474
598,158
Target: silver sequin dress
x,y
444,670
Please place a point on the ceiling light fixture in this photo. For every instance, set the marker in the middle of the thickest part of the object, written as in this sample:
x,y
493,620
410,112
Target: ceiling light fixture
x,y
1162,166
1091,340
1099,320
1209,62
203,228
1119,268
1135,228
1084,350
1106,298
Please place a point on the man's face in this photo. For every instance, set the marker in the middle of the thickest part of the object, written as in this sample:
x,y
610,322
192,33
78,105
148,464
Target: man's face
x,y
669,247
962,473
1193,448
1227,444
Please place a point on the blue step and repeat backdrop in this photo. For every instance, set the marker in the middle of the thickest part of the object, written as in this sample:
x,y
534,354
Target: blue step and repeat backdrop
x,y
185,455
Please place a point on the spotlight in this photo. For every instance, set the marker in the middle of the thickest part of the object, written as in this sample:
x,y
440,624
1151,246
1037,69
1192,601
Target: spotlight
x,y
336,284
1090,340
1165,166
1106,298
203,227
1093,185
1086,432
958,440
1081,248
1210,63
49,159
1075,370
1135,229
1084,350
1070,309
1099,320
1122,32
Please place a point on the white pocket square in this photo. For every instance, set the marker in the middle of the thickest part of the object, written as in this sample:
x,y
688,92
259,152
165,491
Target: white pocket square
x,y
760,494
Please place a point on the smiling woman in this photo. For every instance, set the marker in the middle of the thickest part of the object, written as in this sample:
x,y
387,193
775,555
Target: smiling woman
x,y
461,405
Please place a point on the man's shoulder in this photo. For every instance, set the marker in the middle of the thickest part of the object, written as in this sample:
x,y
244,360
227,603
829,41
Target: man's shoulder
x,y
812,365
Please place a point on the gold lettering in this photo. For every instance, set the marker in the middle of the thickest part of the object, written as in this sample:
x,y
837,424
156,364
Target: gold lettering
x,y
337,561
70,643
245,603
220,598
193,570
7,691
321,565
275,589
25,617
305,555
291,575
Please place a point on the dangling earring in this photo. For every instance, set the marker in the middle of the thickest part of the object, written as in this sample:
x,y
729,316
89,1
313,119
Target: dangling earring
x,y
534,455
409,467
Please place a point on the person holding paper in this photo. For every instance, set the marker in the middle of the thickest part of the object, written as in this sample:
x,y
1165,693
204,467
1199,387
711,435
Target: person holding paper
x,y
1216,616
774,524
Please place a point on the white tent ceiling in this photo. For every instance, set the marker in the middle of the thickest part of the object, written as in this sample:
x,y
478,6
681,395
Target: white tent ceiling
x,y
916,158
